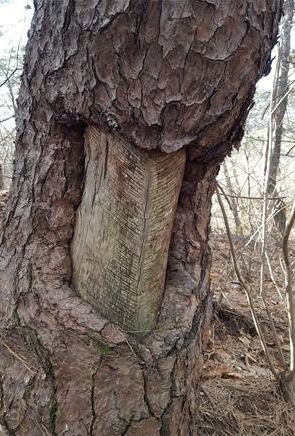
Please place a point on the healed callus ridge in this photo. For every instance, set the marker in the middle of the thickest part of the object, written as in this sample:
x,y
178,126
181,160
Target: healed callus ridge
x,y
155,75
163,74
123,229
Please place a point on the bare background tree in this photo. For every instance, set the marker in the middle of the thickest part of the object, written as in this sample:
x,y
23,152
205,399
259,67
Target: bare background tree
x,y
11,64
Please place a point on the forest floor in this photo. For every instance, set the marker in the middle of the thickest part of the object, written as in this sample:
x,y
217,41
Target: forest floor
x,y
239,395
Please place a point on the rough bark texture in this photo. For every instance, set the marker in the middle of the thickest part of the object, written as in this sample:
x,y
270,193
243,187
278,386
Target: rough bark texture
x,y
159,75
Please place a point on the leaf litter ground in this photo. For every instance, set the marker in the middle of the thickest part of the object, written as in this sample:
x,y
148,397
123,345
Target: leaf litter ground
x,y
239,395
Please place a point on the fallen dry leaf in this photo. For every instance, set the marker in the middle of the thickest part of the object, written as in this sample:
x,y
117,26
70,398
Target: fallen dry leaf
x,y
222,371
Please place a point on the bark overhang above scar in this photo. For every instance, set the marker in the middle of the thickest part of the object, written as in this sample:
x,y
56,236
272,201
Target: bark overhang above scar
x,y
123,229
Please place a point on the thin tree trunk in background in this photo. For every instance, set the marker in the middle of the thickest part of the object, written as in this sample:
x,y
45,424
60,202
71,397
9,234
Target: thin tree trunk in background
x,y
1,178
250,217
280,88
160,76
280,102
233,201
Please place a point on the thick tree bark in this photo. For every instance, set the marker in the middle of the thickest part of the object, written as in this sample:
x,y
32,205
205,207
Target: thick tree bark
x,y
159,76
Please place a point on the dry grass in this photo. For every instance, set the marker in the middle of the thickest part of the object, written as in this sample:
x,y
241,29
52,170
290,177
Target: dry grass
x,y
248,406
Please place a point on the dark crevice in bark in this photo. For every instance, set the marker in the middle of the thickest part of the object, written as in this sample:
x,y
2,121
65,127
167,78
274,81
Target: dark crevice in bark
x,y
3,419
1,393
146,399
68,15
128,425
94,416
5,427
10,431
198,321
29,387
165,413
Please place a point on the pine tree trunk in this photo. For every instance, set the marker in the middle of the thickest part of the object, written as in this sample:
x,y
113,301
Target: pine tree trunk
x,y
158,76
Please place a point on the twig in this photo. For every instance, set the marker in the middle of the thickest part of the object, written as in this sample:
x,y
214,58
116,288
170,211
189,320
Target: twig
x,y
6,119
243,197
267,164
17,356
272,277
283,98
129,345
9,76
272,215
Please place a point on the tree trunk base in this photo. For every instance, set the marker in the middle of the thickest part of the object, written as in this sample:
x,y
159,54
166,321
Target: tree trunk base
x,y
68,371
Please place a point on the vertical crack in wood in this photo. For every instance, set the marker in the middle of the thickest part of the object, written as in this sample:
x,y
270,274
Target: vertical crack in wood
x,y
147,184
123,229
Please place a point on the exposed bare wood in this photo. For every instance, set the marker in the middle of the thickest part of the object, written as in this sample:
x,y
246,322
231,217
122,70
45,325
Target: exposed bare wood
x,y
123,228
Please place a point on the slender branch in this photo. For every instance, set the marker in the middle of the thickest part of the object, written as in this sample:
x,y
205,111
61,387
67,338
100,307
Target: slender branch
x,y
225,195
258,230
272,277
18,356
6,119
283,98
9,76
289,288
246,197
267,164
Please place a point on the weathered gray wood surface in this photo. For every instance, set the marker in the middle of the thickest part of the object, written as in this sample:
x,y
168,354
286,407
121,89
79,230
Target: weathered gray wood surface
x,y
123,229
